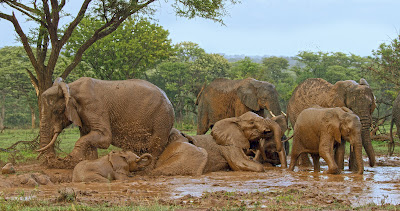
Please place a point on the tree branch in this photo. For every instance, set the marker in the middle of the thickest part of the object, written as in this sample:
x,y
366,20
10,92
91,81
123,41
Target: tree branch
x,y
23,37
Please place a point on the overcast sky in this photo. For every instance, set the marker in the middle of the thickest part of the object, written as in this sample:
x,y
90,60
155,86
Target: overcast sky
x,y
281,27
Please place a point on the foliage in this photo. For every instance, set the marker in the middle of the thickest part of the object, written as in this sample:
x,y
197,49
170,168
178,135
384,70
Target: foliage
x,y
50,35
136,46
183,75
386,63
17,96
245,68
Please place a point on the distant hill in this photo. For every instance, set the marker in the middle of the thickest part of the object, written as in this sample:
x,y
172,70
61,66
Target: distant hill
x,y
257,59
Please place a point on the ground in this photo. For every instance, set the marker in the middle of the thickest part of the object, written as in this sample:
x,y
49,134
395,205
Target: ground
x,y
274,188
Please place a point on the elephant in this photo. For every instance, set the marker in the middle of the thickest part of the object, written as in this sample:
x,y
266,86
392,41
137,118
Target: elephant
x,y
319,131
131,114
224,98
358,97
117,165
224,147
395,120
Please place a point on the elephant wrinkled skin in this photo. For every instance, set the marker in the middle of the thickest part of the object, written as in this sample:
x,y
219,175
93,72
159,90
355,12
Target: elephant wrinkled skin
x,y
319,130
224,98
223,149
395,120
357,97
114,166
131,114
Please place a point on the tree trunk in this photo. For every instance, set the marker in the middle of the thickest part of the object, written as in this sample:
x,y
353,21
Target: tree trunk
x,y
33,115
3,112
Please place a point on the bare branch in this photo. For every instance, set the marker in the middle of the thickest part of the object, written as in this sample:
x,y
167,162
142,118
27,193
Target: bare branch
x,y
25,10
23,37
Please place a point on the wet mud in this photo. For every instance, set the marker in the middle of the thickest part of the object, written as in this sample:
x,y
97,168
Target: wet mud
x,y
379,185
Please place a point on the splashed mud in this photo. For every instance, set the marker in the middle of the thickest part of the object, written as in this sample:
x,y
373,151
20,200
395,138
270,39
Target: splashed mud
x,y
379,185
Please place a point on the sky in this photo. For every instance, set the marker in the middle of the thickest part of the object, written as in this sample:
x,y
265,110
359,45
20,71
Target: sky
x,y
280,27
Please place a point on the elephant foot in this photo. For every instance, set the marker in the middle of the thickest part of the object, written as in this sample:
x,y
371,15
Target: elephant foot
x,y
332,171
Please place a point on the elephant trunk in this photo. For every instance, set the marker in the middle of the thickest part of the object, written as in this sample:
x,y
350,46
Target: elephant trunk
x,y
366,140
357,148
276,129
274,108
47,137
144,160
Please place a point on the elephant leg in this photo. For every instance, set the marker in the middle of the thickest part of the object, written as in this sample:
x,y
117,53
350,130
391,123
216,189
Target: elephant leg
x,y
86,145
352,160
293,159
317,166
339,154
304,160
238,161
327,155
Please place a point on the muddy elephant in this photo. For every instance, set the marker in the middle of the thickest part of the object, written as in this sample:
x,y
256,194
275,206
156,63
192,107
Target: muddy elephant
x,y
358,97
224,148
114,166
224,98
395,120
131,114
318,131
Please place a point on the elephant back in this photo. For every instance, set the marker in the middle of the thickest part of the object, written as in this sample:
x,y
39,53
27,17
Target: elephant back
x,y
310,92
215,160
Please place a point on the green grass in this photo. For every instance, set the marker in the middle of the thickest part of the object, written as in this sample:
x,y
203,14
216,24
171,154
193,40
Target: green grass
x,y
69,136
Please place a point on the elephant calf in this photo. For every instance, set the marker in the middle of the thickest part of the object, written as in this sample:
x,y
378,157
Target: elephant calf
x,y
114,166
318,130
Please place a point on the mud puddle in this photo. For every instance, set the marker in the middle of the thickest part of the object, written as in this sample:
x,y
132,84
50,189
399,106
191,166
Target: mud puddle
x,y
379,185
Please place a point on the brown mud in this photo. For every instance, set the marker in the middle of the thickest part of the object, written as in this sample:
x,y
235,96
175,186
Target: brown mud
x,y
379,185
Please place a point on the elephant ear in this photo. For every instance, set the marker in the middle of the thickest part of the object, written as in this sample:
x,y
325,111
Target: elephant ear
x,y
247,94
227,132
332,124
71,108
339,92
118,161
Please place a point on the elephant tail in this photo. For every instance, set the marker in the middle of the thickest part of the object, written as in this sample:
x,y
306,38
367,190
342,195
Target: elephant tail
x,y
199,95
391,144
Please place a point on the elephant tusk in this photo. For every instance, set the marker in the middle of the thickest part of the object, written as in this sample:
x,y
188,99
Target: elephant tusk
x,y
50,144
283,113
273,115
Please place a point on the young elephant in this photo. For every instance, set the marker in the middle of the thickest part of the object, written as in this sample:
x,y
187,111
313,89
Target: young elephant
x,y
223,149
316,131
114,166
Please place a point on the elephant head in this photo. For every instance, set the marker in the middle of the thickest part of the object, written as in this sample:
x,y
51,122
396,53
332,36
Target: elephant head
x,y
259,95
240,131
129,161
360,99
59,109
344,124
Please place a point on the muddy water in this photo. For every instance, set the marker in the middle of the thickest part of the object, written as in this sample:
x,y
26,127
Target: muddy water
x,y
379,185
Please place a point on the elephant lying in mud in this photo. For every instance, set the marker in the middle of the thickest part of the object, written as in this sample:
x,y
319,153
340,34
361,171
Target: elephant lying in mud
x,y
223,149
114,166
131,114
319,131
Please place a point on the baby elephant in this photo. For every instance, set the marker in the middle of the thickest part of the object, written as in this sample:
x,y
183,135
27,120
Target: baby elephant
x,y
318,131
114,166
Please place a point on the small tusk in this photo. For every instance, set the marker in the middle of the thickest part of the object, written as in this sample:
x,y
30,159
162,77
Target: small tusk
x,y
50,144
283,113
273,115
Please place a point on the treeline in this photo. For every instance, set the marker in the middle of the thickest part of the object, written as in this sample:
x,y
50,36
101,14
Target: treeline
x,y
142,49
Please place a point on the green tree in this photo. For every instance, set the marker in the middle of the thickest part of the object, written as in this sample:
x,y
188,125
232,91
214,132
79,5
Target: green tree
x,y
17,96
183,75
244,68
274,69
51,35
136,46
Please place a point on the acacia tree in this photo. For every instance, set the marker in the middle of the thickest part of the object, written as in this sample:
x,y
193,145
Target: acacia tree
x,y
52,35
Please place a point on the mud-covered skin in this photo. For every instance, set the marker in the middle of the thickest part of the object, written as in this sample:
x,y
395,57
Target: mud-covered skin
x,y
132,114
358,97
224,98
318,130
223,149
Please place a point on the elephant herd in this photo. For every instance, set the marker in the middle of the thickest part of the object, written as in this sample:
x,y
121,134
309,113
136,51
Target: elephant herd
x,y
246,121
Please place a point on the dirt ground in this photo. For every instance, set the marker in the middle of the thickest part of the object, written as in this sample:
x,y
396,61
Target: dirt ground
x,y
379,185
